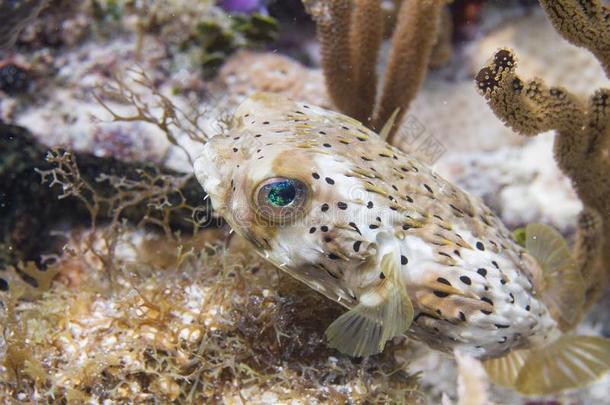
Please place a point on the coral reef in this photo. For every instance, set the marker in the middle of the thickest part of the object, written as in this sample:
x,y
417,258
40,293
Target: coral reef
x,y
248,72
581,143
350,34
186,318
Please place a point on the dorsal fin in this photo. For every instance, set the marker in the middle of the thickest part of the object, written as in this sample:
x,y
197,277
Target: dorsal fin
x,y
387,127
563,289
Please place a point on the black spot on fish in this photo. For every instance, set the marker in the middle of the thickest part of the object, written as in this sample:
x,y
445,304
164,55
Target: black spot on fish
x,y
328,239
324,207
330,273
527,307
495,264
235,149
443,281
312,229
500,326
409,199
322,132
265,122
3,285
465,280
329,181
512,298
406,227
327,145
258,135
485,312
482,272
373,226
369,205
366,159
342,205
324,228
353,225
487,300
333,256
440,294
502,281
315,176
404,260
428,188
462,317
480,246
357,246
381,275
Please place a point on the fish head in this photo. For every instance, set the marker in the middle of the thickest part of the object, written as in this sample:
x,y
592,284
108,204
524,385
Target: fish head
x,y
273,180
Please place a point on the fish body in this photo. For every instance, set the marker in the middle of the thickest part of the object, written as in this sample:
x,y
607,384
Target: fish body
x,y
331,203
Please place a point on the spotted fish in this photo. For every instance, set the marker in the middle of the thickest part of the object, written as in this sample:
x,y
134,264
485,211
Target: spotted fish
x,y
332,204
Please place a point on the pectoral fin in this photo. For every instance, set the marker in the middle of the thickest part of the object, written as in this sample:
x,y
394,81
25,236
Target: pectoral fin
x,y
564,288
505,370
381,314
568,363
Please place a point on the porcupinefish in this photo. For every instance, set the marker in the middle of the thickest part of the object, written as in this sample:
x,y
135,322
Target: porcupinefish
x,y
331,203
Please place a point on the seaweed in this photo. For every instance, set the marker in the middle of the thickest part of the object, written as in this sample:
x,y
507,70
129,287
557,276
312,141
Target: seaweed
x,y
86,190
213,326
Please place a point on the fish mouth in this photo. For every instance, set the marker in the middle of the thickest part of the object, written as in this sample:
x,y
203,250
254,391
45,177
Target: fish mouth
x,y
208,169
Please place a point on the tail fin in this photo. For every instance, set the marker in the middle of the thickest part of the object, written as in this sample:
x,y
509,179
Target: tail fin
x,y
567,363
563,291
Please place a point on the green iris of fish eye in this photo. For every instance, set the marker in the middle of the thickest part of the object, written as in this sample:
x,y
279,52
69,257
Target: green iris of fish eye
x,y
281,193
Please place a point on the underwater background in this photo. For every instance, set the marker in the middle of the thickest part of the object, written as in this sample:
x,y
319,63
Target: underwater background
x,y
120,284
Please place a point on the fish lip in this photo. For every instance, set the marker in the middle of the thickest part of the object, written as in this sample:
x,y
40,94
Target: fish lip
x,y
207,168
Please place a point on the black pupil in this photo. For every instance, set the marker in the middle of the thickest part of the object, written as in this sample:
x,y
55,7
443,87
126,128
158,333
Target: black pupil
x,y
281,193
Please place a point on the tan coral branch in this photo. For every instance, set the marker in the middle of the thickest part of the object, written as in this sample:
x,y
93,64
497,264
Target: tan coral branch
x,y
412,43
581,150
350,35
333,21
583,23
366,36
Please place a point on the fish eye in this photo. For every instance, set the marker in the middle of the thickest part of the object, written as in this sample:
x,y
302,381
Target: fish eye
x,y
281,198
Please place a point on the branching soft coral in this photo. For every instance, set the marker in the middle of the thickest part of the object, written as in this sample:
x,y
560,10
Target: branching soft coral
x,y
582,129
583,23
350,34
